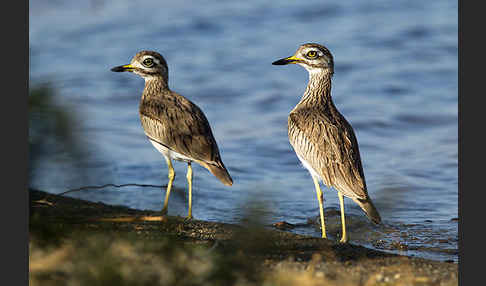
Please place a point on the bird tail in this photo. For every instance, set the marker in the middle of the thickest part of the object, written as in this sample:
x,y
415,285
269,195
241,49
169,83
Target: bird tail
x,y
220,172
370,210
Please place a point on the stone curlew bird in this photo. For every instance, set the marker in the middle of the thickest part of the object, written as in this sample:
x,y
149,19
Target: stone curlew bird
x,y
173,124
323,139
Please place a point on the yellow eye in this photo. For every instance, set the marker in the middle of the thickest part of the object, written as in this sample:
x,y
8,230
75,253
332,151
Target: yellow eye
x,y
148,62
311,54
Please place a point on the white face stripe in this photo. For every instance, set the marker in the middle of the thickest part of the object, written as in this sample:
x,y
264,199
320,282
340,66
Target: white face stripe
x,y
138,64
149,56
306,50
321,60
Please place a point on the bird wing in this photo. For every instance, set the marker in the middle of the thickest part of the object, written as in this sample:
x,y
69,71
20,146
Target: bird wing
x,y
330,147
181,126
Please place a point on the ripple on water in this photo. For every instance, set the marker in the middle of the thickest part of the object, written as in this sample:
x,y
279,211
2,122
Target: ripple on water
x,y
395,81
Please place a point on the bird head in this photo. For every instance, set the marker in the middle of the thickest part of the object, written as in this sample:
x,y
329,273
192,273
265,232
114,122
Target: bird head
x,y
147,64
313,57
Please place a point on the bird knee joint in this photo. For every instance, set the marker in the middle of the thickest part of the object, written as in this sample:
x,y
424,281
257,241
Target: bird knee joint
x,y
171,174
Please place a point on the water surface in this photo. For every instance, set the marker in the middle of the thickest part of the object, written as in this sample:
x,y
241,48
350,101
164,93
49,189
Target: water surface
x,y
395,81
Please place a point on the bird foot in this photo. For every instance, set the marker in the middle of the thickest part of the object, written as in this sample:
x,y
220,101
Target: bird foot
x,y
44,202
188,218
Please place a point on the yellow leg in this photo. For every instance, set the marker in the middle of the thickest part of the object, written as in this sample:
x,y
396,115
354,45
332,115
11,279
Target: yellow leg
x,y
169,185
321,210
344,237
189,182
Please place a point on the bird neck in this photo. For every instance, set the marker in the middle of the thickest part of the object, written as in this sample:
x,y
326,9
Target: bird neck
x,y
318,91
154,86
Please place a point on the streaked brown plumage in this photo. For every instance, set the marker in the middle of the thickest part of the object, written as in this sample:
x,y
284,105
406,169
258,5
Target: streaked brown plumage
x,y
322,138
175,122
175,126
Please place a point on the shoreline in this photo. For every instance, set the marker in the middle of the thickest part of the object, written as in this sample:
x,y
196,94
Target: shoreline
x,y
256,254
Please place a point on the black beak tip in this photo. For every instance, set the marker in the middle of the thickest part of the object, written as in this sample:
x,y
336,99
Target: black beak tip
x,y
118,69
280,62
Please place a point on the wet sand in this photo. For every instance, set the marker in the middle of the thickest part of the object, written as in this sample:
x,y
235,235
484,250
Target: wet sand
x,y
74,232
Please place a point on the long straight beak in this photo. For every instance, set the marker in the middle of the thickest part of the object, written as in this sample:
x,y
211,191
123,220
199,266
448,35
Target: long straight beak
x,y
286,61
123,68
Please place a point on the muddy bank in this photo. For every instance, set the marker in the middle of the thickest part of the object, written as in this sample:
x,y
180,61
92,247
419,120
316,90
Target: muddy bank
x,y
75,240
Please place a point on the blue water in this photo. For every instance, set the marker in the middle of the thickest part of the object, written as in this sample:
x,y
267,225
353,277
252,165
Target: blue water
x,y
396,81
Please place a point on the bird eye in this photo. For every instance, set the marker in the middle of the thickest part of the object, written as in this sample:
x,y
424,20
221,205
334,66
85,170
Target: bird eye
x,y
312,54
148,62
